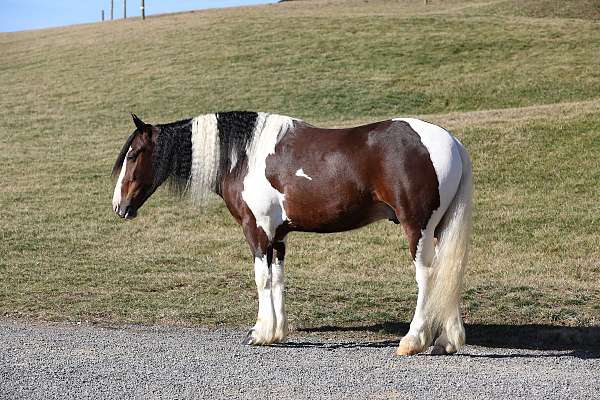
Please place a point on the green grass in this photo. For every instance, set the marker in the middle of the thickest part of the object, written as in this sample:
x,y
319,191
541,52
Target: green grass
x,y
576,9
518,83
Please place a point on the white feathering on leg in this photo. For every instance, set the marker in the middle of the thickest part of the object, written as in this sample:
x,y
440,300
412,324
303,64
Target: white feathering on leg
x,y
263,331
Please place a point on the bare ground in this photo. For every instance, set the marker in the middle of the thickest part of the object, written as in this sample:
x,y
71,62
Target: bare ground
x,y
69,361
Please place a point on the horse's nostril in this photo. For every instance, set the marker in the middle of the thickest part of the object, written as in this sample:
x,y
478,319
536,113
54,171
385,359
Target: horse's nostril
x,y
129,213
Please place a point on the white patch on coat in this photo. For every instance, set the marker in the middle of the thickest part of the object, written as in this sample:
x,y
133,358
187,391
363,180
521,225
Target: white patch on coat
x,y
265,202
117,193
301,173
205,156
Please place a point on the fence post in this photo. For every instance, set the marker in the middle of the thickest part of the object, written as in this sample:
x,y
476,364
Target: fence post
x,y
102,14
143,10
124,9
111,9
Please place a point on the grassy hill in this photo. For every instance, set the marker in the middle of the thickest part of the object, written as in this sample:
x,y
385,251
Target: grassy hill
x,y
517,81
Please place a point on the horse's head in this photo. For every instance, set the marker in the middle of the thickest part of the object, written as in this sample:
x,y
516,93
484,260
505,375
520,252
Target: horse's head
x,y
135,168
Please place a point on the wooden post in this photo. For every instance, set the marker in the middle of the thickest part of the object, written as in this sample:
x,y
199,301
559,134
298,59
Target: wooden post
x,y
111,9
102,14
426,2
143,10
124,9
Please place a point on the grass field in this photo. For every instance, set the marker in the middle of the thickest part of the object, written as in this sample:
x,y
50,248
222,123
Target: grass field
x,y
517,81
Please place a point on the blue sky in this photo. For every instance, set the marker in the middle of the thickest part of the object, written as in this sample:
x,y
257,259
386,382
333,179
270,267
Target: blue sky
x,y
17,15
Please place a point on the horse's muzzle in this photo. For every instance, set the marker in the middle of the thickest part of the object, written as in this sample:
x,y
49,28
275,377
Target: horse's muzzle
x,y
127,212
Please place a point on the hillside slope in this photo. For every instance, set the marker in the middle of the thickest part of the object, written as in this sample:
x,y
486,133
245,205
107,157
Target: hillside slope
x,y
518,84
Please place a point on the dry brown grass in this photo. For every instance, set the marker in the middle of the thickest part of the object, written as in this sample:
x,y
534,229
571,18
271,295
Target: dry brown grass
x,y
520,92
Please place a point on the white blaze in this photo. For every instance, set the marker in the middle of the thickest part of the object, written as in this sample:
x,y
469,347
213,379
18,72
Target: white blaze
x,y
117,193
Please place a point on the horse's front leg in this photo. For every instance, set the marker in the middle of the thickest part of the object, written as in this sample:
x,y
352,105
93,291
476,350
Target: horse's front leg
x,y
277,288
263,332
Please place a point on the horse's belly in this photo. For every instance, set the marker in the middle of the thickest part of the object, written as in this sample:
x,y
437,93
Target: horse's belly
x,y
310,212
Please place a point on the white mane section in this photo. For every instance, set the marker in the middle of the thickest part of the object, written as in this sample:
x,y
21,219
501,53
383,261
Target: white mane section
x,y
265,202
205,157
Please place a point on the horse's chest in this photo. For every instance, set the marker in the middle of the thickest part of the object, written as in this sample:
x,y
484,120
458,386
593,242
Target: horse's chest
x,y
264,201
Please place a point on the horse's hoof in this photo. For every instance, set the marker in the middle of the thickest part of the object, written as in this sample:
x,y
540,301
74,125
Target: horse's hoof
x,y
408,346
406,351
249,339
443,347
438,350
279,339
281,334
254,338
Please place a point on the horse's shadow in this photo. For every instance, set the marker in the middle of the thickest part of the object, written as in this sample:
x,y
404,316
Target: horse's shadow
x,y
581,342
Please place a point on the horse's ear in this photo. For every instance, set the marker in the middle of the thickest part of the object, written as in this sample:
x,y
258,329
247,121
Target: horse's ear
x,y
139,124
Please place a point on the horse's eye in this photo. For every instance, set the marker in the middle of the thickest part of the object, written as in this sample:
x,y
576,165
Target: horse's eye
x,y
132,155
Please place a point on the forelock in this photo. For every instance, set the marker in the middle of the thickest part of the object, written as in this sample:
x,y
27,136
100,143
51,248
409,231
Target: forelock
x,y
119,163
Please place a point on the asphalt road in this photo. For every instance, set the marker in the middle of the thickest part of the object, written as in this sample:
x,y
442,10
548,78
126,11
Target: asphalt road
x,y
64,361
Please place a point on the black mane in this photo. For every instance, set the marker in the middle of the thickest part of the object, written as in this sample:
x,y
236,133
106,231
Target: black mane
x,y
173,154
236,129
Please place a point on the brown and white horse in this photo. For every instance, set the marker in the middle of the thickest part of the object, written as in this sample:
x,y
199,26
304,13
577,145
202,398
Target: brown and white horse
x,y
278,174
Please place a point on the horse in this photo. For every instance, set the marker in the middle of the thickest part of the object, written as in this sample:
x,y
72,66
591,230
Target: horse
x,y
278,174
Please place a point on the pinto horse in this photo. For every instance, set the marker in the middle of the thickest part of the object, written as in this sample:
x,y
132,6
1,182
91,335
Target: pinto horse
x,y
278,174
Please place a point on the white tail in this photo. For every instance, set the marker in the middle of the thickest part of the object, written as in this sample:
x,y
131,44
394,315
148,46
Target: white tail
x,y
443,306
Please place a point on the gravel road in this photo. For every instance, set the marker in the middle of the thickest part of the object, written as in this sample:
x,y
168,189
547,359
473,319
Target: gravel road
x,y
63,361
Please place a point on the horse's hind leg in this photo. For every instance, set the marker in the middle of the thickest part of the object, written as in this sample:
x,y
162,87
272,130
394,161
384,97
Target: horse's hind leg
x,y
422,248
